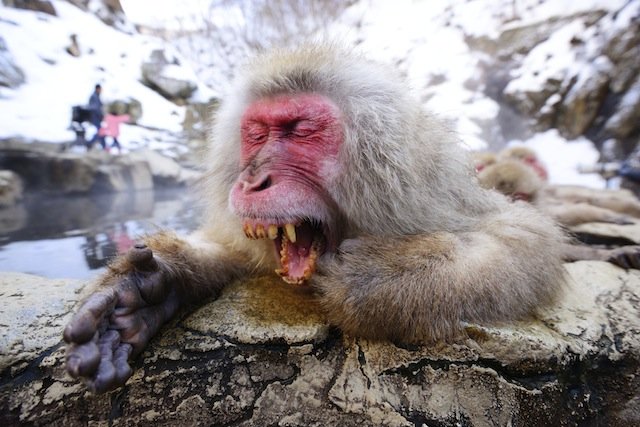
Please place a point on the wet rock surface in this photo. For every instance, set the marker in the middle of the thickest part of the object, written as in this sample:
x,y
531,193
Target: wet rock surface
x,y
10,188
262,355
45,168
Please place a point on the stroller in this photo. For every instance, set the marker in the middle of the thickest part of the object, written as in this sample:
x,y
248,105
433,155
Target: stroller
x,y
79,115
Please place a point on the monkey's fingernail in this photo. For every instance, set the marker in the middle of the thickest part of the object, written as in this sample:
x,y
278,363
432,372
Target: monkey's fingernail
x,y
73,366
273,231
290,232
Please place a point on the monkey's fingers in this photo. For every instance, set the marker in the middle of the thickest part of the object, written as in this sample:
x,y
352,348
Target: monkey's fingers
x,y
622,220
113,370
138,327
626,257
82,360
90,315
121,363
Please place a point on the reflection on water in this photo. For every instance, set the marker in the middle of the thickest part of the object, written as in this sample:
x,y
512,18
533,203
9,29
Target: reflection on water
x,y
74,237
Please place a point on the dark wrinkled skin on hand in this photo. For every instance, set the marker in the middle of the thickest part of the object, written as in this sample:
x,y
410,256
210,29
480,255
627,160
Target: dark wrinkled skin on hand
x,y
115,324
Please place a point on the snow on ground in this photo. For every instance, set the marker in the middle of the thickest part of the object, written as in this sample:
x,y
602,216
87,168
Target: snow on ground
x,y
562,158
426,40
41,108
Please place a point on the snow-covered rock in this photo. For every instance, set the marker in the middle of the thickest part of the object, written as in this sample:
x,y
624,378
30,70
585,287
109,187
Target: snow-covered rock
x,y
165,72
580,79
561,63
11,75
166,171
54,80
43,6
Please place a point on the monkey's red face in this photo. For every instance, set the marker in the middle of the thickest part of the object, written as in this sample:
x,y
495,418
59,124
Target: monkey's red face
x,y
537,166
289,152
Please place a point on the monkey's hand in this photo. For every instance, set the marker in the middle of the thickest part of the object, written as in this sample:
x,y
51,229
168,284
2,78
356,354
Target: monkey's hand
x,y
116,322
625,256
619,220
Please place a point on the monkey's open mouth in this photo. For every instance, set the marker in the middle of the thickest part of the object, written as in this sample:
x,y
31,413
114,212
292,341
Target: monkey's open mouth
x,y
297,245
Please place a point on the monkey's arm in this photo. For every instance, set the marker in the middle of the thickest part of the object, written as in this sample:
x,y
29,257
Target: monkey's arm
x,y
621,201
140,292
579,213
624,256
421,287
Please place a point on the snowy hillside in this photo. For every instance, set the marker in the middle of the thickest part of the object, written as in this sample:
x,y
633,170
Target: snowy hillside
x,y
433,43
451,53
446,50
55,80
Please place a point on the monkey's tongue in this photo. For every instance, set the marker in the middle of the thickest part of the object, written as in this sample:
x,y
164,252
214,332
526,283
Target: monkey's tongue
x,y
298,259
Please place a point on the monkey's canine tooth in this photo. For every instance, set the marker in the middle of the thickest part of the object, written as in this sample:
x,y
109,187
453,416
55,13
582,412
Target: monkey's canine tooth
x,y
290,232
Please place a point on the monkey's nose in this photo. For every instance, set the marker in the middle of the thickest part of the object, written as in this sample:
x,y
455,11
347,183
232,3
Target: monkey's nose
x,y
258,185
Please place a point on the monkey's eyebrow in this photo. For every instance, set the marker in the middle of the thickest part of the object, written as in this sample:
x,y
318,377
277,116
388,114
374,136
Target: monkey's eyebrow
x,y
254,126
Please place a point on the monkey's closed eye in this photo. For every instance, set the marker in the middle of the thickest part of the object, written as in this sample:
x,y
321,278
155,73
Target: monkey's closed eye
x,y
255,132
303,128
258,137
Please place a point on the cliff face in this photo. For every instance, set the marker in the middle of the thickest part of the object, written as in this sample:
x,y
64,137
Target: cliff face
x,y
262,355
576,73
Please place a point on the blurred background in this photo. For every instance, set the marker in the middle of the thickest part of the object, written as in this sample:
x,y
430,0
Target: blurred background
x,y
559,76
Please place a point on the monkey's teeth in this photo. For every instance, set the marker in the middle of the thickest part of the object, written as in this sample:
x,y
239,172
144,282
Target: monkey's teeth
x,y
248,231
313,256
260,231
272,232
293,280
283,272
284,255
290,232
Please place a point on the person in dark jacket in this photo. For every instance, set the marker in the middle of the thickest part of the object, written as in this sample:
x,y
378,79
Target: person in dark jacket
x,y
96,115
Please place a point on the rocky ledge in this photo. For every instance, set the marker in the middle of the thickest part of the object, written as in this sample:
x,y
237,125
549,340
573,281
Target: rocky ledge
x,y
44,168
262,355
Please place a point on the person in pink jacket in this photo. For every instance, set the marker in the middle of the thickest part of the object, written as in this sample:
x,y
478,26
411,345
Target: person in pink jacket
x,y
111,127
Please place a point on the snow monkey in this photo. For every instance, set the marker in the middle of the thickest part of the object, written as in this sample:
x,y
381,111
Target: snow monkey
x,y
527,156
520,182
325,170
